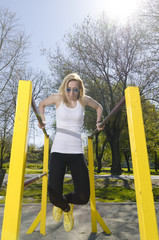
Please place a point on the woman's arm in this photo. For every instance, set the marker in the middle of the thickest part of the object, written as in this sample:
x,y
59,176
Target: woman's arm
x,y
97,106
52,99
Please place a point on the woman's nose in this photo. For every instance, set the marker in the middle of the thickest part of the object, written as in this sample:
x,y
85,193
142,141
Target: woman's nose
x,y
71,92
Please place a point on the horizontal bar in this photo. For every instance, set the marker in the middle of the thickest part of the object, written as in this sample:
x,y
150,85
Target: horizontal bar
x,y
36,111
31,180
111,114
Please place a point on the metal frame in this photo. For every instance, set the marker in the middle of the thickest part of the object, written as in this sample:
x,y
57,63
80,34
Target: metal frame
x,y
15,186
143,187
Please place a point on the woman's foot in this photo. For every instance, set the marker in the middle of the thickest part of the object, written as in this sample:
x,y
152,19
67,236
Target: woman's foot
x,y
68,219
57,214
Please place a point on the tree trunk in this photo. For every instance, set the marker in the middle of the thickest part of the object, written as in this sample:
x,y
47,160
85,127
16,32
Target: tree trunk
x,y
97,156
116,160
2,152
127,160
156,162
113,131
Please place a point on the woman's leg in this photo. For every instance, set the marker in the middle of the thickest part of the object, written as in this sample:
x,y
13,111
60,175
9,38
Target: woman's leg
x,y
79,171
57,168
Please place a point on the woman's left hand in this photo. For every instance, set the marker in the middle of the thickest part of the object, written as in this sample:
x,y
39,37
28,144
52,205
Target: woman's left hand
x,y
98,126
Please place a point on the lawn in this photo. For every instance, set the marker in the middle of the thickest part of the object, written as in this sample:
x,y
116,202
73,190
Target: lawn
x,y
107,190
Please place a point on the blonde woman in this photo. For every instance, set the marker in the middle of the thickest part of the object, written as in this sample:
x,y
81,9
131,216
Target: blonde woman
x,y
67,150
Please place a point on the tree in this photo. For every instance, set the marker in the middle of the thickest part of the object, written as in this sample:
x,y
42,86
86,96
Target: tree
x,y
13,49
34,155
109,57
149,17
151,122
5,141
103,54
14,59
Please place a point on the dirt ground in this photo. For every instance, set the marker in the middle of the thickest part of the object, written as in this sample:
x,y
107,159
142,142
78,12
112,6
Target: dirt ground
x,y
121,219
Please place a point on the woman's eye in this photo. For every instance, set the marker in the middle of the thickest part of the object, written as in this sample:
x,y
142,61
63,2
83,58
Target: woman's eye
x,y
68,89
75,90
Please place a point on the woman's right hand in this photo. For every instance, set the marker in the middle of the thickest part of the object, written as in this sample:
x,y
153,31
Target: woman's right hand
x,y
42,126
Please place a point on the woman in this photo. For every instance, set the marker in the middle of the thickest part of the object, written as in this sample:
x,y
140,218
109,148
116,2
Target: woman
x,y
67,148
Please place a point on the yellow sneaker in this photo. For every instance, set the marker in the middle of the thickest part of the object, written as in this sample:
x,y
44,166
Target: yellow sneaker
x,y
57,213
68,219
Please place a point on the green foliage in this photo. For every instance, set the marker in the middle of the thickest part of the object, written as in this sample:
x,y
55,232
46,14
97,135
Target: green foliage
x,y
151,125
156,194
34,166
34,155
151,122
6,165
5,148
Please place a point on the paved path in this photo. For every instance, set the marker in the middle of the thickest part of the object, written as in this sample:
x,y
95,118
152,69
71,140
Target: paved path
x,y
121,219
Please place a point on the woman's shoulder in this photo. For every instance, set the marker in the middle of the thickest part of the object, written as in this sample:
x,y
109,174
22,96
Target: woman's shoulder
x,y
54,98
57,96
57,99
87,100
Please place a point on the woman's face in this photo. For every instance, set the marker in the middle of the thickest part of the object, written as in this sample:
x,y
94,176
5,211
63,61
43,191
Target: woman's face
x,y
72,91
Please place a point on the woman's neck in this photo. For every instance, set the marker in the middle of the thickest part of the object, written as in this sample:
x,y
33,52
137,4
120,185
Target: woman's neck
x,y
72,104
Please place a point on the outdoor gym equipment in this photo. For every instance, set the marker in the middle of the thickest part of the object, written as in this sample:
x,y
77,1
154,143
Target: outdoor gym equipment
x,y
144,196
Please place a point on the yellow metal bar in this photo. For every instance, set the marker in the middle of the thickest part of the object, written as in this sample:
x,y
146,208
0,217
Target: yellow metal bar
x,y
94,214
92,186
13,203
143,187
44,186
41,217
102,224
35,223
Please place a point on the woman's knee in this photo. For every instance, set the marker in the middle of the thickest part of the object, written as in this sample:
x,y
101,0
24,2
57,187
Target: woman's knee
x,y
84,198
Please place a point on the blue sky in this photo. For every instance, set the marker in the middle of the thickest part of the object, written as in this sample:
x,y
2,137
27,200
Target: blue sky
x,y
46,21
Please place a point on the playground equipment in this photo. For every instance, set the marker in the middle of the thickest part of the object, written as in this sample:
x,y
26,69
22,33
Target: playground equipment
x,y
143,187
15,187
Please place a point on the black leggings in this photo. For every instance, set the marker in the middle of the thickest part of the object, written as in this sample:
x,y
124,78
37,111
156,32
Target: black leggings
x,y
57,168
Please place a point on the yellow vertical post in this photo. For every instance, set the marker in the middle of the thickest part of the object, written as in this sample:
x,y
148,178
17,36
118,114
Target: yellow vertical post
x,y
13,203
92,186
95,216
44,186
41,217
143,187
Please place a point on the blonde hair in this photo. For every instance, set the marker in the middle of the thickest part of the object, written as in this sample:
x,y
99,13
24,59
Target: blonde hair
x,y
64,84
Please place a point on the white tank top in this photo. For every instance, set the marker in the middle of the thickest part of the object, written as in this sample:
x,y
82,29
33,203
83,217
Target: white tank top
x,y
69,123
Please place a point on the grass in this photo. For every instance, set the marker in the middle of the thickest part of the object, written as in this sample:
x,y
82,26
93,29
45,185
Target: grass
x,y
36,168
115,194
107,170
106,191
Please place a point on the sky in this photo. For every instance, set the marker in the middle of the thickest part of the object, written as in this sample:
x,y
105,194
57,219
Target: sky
x,y
46,21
